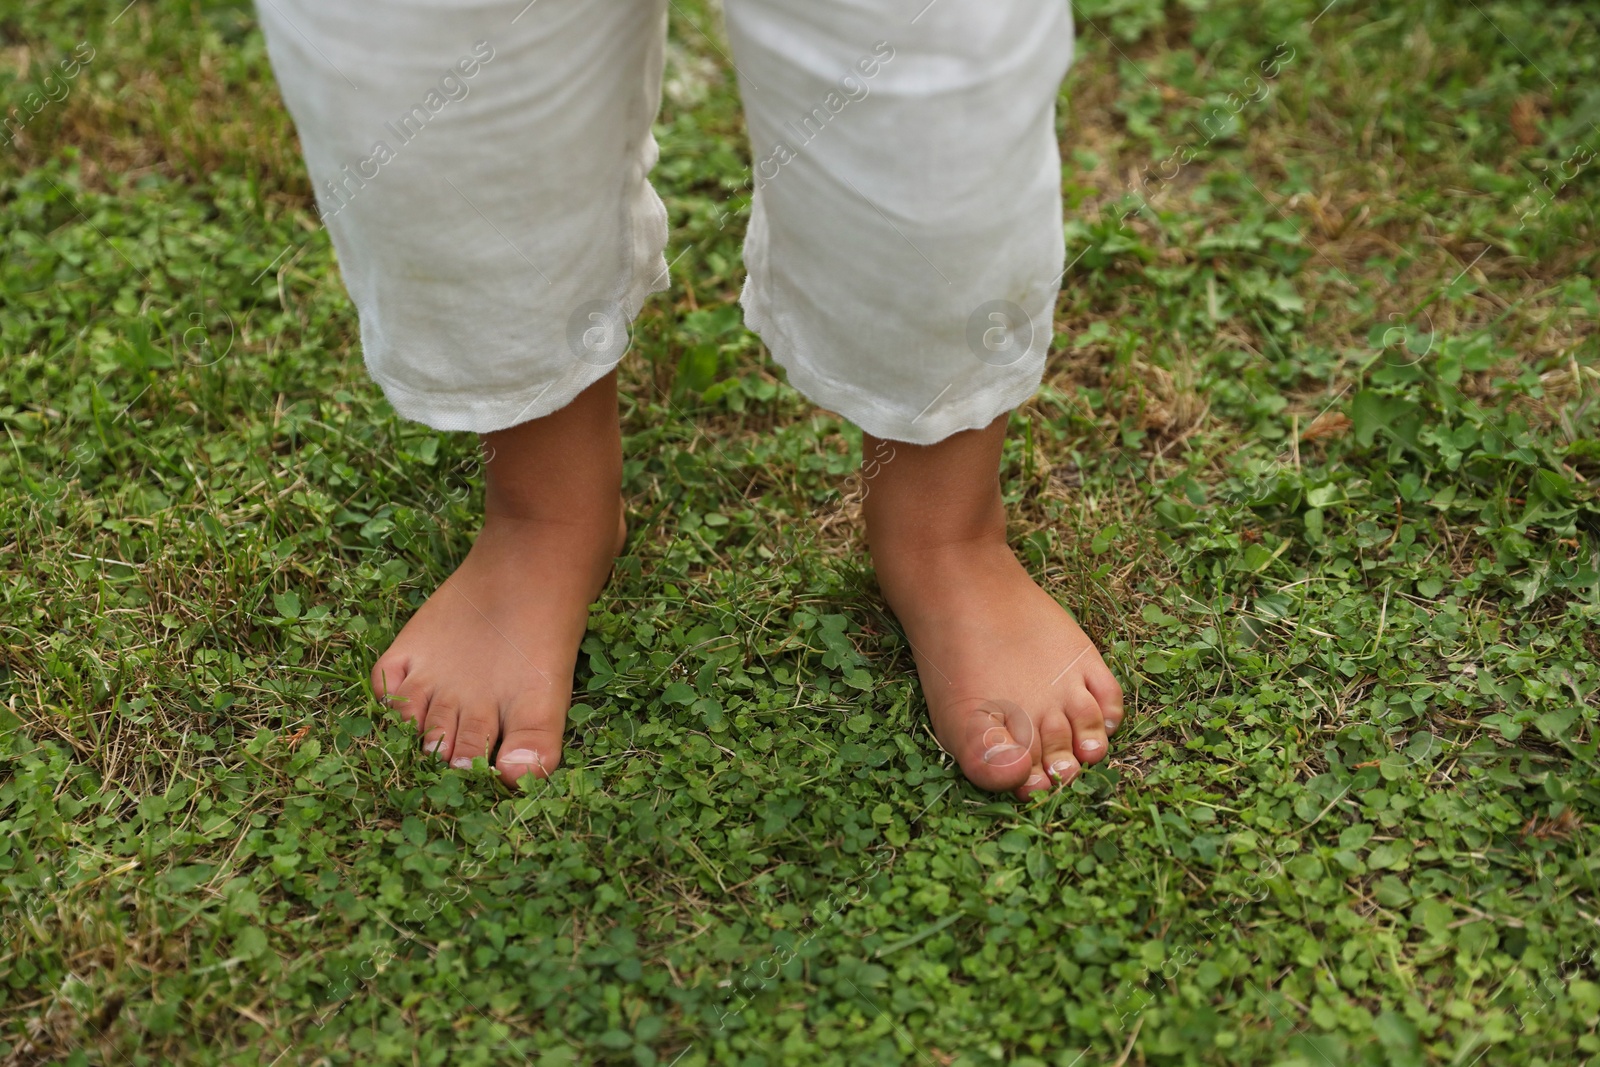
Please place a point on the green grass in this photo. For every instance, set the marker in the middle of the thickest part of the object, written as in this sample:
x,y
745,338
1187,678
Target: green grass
x,y
1315,461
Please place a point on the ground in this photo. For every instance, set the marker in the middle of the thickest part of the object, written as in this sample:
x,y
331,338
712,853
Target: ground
x,y
1315,461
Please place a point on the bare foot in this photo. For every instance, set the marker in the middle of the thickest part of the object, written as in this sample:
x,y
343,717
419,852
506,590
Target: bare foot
x,y
1017,692
489,657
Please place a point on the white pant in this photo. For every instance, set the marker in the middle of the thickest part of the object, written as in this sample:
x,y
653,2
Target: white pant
x,y
482,168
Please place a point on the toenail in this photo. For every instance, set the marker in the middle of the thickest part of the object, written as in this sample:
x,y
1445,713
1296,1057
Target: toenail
x,y
461,763
1003,753
1037,781
1093,745
1064,770
433,746
522,757
1112,724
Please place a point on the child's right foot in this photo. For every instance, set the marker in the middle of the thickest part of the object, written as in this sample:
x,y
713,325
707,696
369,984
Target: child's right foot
x,y
489,658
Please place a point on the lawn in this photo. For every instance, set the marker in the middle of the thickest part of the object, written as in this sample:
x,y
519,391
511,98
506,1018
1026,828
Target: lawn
x,y
1315,460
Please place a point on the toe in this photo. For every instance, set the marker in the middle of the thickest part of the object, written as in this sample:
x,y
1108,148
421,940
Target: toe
x,y
439,726
1058,757
410,701
532,741
1107,693
998,749
1038,782
476,731
1088,725
389,678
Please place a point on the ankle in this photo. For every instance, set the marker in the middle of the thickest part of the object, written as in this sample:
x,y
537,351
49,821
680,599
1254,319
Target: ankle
x,y
921,571
563,469
924,499
602,514
928,527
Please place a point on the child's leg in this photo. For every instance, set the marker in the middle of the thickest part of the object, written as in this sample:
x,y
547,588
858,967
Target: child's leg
x,y
481,168
489,657
1017,692
905,256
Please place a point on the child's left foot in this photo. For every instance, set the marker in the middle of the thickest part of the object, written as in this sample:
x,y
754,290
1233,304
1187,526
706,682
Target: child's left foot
x,y
1016,690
